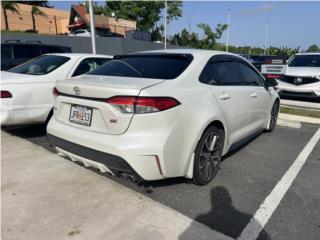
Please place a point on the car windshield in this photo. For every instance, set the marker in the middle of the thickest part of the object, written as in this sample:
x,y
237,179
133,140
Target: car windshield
x,y
305,61
158,66
41,65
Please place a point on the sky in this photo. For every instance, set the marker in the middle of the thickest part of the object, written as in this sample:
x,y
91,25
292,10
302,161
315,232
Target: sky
x,y
292,24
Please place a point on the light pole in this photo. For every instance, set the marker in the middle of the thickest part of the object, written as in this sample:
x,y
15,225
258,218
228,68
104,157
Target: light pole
x,y
228,32
165,24
92,27
266,40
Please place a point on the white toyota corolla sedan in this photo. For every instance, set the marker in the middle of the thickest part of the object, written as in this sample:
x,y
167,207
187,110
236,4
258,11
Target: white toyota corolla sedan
x,y
162,114
26,89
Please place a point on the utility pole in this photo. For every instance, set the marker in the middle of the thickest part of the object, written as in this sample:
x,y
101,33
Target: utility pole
x,y
165,24
92,27
266,40
228,32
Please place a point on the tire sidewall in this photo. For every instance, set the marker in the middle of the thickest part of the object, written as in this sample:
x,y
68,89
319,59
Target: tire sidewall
x,y
197,178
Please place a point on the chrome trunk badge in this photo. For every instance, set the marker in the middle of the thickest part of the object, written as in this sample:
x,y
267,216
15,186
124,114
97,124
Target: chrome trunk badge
x,y
76,91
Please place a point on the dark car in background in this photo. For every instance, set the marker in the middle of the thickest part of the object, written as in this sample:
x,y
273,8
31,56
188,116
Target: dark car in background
x,y
258,60
14,52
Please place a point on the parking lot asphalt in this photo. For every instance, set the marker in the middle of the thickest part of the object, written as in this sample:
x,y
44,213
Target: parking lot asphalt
x,y
245,179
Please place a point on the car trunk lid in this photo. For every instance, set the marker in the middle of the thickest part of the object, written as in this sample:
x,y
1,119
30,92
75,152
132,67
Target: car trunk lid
x,y
86,97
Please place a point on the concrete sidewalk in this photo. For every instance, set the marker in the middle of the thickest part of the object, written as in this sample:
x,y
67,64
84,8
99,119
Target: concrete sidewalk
x,y
47,197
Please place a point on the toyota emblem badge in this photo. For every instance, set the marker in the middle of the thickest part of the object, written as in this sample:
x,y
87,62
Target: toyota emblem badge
x,y
76,91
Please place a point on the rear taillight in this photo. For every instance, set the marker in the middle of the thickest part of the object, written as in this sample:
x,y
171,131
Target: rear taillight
x,y
131,104
55,92
6,94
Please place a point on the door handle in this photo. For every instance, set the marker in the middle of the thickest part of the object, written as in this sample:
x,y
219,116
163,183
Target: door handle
x,y
225,96
254,95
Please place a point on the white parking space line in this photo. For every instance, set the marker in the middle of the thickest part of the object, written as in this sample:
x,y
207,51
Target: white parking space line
x,y
266,209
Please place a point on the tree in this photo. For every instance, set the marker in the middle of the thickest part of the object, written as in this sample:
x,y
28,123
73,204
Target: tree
x,y
36,11
313,48
211,37
145,13
11,6
36,3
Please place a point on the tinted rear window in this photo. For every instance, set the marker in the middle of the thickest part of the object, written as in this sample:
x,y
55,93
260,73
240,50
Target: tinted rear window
x,y
41,65
158,66
305,61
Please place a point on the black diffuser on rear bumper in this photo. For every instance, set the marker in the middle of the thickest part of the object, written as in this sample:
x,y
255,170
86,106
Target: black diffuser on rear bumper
x,y
115,163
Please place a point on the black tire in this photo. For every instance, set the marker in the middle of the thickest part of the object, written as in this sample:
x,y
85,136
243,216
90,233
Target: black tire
x,y
274,116
206,160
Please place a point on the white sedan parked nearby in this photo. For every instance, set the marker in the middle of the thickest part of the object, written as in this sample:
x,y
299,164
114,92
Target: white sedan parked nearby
x,y
302,77
26,89
161,114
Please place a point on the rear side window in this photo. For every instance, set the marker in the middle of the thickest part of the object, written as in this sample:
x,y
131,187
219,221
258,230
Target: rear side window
x,y
41,65
158,66
6,51
26,51
89,64
250,77
220,73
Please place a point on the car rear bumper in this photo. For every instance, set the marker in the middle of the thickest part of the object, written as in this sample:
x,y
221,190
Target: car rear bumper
x,y
6,117
105,162
126,153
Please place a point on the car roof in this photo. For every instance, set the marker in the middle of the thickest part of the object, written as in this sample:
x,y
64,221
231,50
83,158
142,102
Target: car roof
x,y
309,53
194,52
80,55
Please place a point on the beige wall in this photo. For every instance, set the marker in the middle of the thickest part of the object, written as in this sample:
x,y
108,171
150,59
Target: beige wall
x,y
44,24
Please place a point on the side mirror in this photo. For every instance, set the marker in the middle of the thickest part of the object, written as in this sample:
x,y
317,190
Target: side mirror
x,y
270,82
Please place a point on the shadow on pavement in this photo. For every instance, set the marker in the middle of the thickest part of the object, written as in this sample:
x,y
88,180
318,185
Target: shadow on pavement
x,y
223,216
35,134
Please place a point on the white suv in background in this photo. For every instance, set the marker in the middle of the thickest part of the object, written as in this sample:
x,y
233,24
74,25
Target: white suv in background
x,y
302,78
161,114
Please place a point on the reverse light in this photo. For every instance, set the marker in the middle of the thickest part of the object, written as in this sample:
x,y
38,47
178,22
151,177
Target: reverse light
x,y
138,105
6,94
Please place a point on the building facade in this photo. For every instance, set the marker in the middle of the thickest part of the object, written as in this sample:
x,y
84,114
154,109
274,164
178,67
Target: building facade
x,y
57,21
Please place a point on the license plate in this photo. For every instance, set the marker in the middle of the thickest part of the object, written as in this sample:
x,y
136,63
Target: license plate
x,y
80,115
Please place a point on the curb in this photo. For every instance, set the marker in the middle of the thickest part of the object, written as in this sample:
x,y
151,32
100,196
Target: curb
x,y
289,118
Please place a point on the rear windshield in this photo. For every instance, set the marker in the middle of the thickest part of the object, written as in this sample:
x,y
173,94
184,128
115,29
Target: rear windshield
x,y
158,66
41,65
305,61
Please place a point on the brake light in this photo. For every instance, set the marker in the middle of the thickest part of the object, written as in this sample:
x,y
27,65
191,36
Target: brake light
x,y
6,94
138,105
55,92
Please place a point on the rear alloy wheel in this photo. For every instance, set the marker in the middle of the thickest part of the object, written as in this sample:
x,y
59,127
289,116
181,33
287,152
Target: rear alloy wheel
x,y
273,116
208,156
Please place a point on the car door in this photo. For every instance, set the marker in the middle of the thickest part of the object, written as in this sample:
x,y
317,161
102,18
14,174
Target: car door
x,y
233,98
260,97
